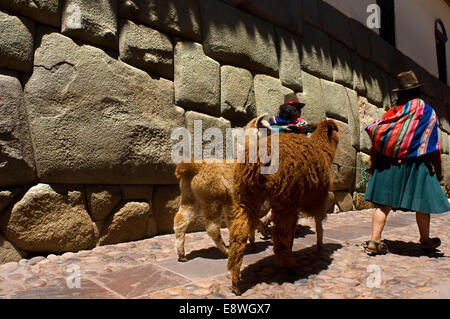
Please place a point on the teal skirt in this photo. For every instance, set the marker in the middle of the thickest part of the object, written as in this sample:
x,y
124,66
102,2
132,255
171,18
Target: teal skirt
x,y
406,186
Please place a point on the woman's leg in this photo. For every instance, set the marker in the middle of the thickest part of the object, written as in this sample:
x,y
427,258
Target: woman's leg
x,y
423,222
378,221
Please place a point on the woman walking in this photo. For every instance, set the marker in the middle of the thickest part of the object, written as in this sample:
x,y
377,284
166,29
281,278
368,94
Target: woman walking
x,y
405,165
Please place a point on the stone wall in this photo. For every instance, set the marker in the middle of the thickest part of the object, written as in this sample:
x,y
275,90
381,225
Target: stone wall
x,y
90,92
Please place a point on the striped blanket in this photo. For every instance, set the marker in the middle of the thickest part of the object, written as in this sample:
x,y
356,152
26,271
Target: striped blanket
x,y
287,126
406,131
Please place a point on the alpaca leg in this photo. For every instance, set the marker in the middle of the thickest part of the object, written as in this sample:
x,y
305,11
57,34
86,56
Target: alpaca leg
x,y
240,229
319,232
212,210
181,222
213,230
285,224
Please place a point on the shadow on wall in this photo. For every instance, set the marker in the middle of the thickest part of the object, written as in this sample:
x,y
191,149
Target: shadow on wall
x,y
244,33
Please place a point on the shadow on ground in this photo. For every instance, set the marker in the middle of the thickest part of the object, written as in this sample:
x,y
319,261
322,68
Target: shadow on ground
x,y
410,249
302,231
308,262
215,253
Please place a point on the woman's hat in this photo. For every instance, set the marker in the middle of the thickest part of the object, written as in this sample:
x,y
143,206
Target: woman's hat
x,y
407,81
292,99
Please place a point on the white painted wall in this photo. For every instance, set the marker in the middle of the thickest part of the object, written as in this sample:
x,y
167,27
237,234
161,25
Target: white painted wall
x,y
415,21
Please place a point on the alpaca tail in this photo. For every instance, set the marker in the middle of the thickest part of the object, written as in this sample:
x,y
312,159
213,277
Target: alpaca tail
x,y
187,168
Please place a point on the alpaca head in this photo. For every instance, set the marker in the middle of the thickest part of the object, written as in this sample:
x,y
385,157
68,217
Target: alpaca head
x,y
333,134
327,131
255,130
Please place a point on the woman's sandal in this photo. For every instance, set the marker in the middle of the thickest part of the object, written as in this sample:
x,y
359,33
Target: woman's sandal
x,y
380,248
431,244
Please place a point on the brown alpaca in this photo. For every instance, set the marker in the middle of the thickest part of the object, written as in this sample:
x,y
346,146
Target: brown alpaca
x,y
300,184
206,189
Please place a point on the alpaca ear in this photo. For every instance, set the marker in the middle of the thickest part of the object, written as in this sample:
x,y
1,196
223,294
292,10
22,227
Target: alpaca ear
x,y
332,126
262,123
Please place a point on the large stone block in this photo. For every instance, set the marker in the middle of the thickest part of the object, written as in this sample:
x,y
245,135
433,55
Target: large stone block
x,y
290,51
142,193
269,94
44,11
91,21
16,152
196,78
446,169
344,201
389,97
353,117
175,17
443,141
101,200
342,64
442,110
235,37
16,42
362,172
360,203
96,120
9,253
202,145
312,96
7,197
337,104
359,84
284,13
127,223
166,201
368,113
146,48
343,176
373,79
316,53
336,24
50,218
237,96
361,36
311,12
342,103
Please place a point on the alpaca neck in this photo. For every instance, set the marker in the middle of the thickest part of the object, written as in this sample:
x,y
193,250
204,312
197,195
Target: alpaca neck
x,y
327,146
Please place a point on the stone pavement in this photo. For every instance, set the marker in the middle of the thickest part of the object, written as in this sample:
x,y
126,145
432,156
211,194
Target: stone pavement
x,y
149,268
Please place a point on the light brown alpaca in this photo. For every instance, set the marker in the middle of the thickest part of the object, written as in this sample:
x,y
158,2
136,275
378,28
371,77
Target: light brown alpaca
x,y
206,189
300,184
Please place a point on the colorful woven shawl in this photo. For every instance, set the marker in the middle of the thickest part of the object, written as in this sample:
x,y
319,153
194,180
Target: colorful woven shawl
x,y
406,131
281,125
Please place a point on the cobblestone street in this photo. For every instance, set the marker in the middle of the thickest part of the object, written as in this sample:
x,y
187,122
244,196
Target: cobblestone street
x,y
149,268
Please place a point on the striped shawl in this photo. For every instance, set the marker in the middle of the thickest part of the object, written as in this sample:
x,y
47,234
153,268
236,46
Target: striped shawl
x,y
406,131
287,126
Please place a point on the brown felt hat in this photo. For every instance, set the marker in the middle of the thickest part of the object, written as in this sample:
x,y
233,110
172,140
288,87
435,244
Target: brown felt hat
x,y
407,81
292,99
